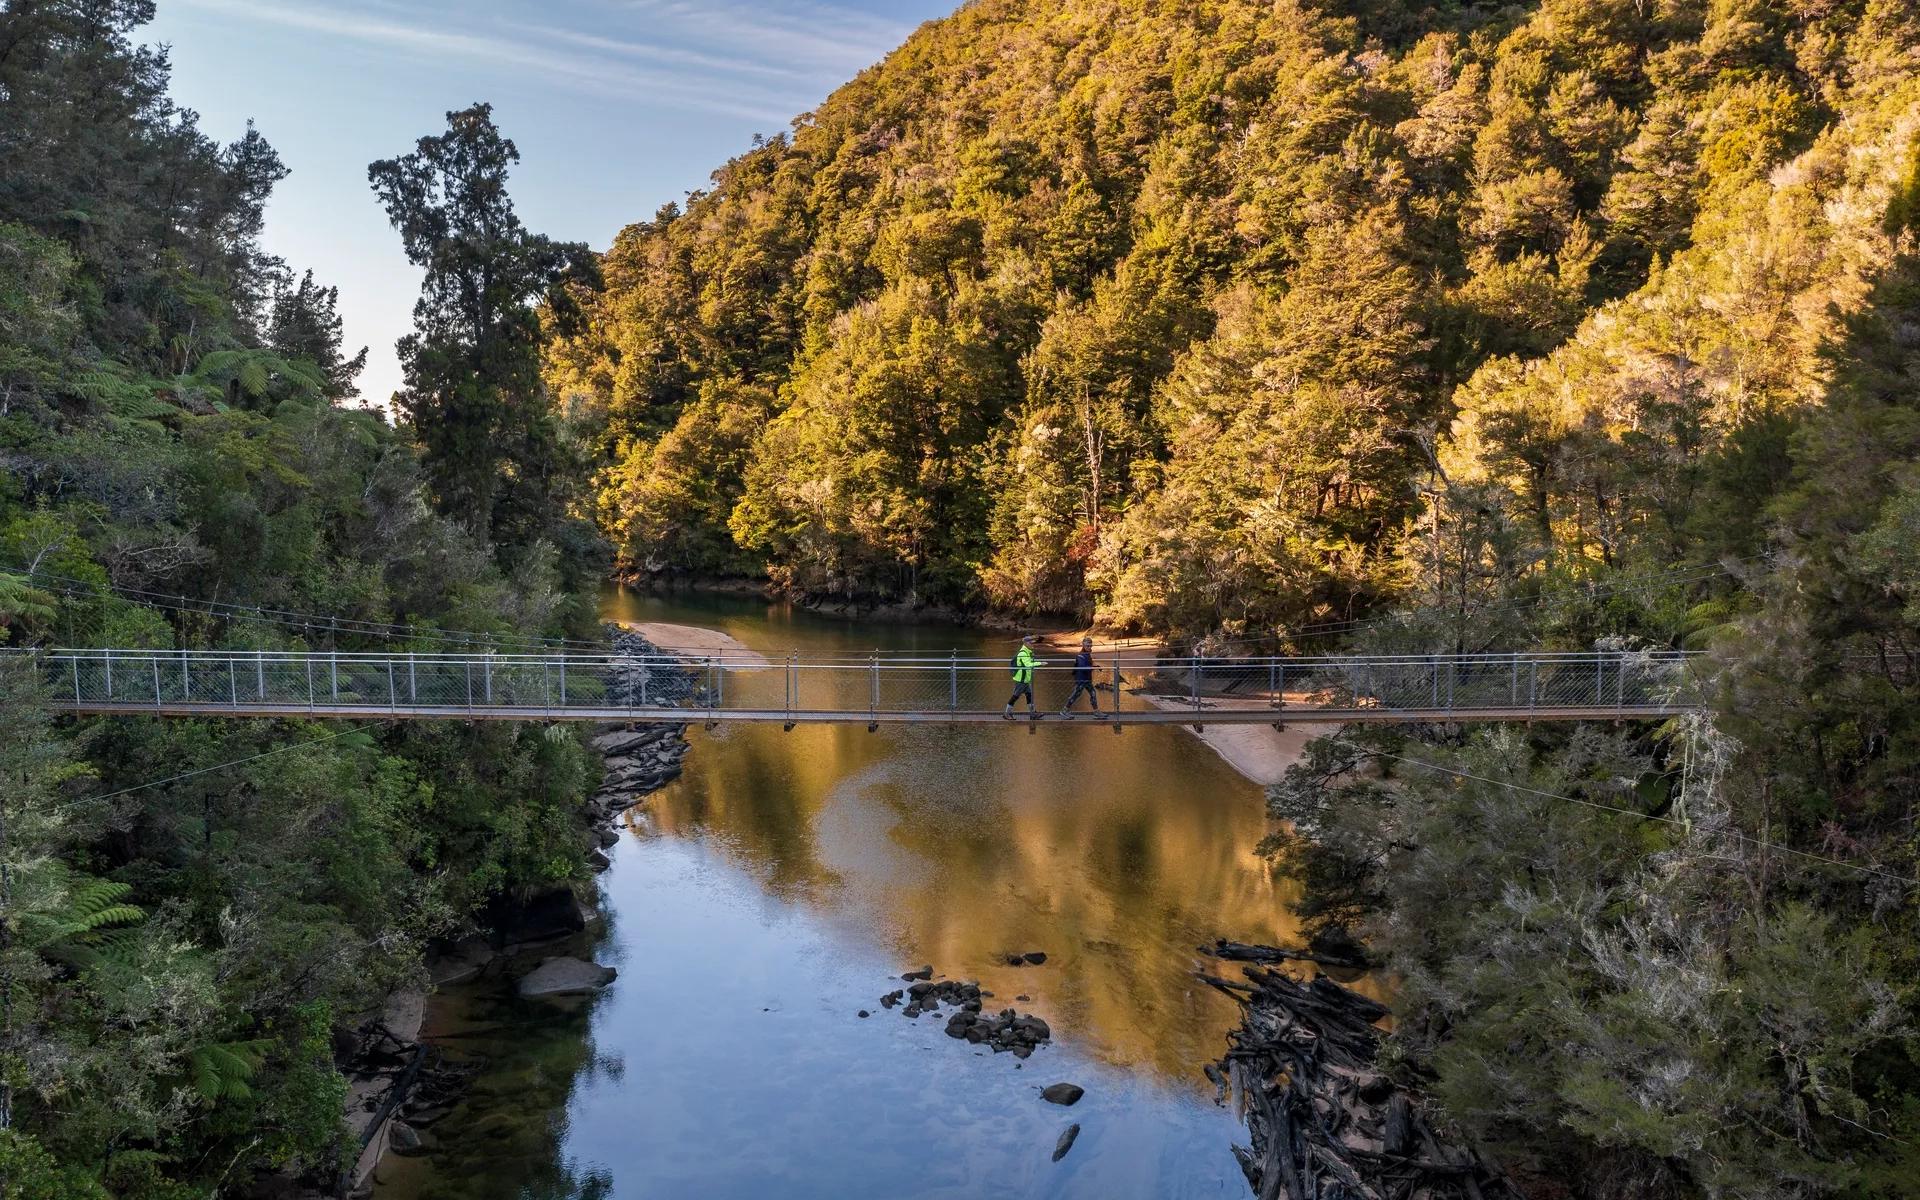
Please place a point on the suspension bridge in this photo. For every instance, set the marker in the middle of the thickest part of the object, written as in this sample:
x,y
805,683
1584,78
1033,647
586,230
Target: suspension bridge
x,y
1132,688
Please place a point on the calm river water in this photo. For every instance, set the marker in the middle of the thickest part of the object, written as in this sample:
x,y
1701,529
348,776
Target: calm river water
x,y
785,882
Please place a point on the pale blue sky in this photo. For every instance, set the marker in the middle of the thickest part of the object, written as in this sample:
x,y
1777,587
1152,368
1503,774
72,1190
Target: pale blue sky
x,y
617,106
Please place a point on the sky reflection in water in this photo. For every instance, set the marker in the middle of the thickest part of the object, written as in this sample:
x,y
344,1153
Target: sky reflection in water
x,y
786,881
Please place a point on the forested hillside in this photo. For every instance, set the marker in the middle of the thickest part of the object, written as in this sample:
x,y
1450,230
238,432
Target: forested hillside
x,y
190,911
1407,327
1181,313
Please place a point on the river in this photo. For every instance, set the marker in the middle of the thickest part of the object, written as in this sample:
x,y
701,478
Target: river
x,y
786,881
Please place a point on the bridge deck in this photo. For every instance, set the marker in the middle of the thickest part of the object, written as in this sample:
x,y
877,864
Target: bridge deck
x,y
1144,689
1298,714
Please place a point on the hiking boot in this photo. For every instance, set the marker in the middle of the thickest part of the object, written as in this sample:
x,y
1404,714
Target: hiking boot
x,y
1006,714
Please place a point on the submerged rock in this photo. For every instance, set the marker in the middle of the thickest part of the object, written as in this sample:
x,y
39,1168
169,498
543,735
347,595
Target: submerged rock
x,y
1065,1143
564,976
1064,1094
1036,957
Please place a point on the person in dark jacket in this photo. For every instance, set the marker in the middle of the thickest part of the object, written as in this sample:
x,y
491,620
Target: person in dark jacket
x,y
1083,681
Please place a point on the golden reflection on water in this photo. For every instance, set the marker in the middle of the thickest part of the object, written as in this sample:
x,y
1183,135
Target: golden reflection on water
x,y
1115,855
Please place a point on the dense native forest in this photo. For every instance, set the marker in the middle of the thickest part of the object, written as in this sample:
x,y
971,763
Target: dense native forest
x,y
190,910
1364,323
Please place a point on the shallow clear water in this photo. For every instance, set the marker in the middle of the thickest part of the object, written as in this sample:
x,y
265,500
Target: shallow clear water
x,y
784,883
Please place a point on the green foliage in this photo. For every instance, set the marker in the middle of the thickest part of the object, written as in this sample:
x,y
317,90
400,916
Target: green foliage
x,y
28,1172
225,1070
473,391
173,958
1059,234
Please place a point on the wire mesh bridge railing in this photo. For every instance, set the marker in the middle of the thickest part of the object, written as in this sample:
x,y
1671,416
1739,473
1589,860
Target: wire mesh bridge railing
x,y
1131,687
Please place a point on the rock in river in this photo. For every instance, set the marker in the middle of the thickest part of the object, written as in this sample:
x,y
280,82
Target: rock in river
x,y
1065,1143
1063,1093
566,977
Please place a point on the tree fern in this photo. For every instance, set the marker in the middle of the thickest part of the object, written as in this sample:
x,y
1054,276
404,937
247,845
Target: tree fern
x,y
254,374
77,915
224,1070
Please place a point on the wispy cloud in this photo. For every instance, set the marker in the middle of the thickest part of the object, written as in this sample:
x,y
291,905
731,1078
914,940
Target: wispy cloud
x,y
762,65
822,35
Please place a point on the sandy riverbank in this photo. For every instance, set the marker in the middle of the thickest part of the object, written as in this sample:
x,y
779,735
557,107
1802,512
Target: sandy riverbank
x,y
1260,752
695,641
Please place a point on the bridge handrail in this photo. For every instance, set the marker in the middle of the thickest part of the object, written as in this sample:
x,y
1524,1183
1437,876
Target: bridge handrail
x,y
754,660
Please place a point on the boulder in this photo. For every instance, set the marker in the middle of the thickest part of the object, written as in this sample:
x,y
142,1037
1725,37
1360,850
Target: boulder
x,y
563,976
403,1139
622,742
404,1013
1036,957
1064,1094
598,861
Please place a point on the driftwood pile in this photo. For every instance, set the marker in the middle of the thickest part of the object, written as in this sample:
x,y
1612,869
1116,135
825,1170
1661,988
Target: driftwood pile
x,y
1325,1124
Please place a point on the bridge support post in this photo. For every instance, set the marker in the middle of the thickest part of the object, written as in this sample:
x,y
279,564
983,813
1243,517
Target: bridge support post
x,y
393,693
873,700
486,672
233,682
333,673
260,673
156,681
309,662
563,679
413,680
953,682
76,681
186,678
107,660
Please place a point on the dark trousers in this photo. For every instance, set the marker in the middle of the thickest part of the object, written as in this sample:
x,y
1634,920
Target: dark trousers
x,y
1019,690
1093,697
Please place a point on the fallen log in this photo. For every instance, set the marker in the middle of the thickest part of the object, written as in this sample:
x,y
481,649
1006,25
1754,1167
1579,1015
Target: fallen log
x,y
1323,1121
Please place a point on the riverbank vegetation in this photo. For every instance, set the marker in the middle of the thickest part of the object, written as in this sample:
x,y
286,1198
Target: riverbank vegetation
x,y
191,911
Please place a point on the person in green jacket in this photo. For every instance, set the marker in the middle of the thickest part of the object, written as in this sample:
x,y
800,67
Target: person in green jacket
x,y
1023,664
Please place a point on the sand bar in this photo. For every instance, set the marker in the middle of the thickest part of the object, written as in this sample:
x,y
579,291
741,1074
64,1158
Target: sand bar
x,y
696,641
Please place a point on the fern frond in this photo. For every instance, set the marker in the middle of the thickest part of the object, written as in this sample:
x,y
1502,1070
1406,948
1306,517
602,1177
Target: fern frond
x,y
224,1070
